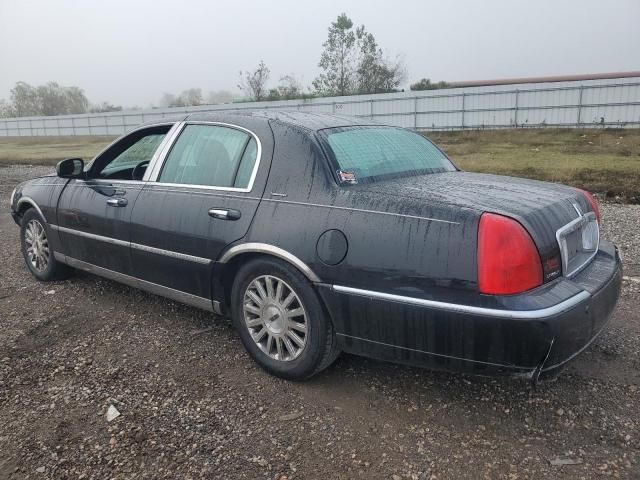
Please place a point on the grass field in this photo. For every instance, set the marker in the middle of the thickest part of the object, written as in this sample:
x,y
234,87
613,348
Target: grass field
x,y
602,161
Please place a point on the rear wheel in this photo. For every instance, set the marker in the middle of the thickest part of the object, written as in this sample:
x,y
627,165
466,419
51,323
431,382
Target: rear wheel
x,y
37,251
281,321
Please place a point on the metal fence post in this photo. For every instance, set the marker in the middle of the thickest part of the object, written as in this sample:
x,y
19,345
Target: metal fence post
x,y
580,105
415,113
58,126
73,125
463,102
515,114
371,109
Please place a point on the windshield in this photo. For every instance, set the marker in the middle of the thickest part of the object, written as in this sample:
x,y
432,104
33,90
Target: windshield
x,y
364,154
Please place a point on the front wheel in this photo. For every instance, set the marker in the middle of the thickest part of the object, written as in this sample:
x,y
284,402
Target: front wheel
x,y
37,251
281,321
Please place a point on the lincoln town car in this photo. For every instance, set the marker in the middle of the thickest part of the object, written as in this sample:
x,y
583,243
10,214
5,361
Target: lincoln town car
x,y
319,234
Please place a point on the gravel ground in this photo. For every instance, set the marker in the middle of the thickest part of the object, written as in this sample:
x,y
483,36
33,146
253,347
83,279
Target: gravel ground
x,y
193,405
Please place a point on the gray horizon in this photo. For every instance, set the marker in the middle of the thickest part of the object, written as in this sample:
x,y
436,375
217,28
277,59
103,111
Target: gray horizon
x,y
130,54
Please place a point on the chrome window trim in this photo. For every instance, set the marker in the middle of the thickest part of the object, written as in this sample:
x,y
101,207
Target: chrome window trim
x,y
469,309
31,202
124,243
163,158
254,247
126,134
161,153
156,289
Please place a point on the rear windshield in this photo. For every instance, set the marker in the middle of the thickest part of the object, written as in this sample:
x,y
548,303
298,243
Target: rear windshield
x,y
365,154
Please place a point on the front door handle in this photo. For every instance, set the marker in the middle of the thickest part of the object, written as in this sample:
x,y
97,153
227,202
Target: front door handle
x,y
117,202
224,214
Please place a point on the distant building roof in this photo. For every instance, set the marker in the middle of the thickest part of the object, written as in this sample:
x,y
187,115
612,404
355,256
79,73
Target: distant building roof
x,y
557,78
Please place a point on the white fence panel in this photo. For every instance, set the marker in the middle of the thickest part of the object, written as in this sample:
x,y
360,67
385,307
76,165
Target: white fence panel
x,y
586,103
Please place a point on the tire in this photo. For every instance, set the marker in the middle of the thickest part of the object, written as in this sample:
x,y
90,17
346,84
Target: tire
x,y
273,318
34,238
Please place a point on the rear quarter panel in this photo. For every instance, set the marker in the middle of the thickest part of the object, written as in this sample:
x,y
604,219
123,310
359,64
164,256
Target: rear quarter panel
x,y
406,247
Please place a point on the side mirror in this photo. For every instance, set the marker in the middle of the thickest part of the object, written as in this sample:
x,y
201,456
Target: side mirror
x,y
70,168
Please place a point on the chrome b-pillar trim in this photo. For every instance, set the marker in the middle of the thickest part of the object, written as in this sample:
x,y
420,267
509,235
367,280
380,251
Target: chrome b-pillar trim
x,y
470,309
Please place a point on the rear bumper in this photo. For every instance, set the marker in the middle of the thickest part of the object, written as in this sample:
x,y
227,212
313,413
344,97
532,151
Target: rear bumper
x,y
518,340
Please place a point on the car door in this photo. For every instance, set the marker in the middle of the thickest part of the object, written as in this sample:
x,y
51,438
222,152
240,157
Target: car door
x,y
205,195
93,213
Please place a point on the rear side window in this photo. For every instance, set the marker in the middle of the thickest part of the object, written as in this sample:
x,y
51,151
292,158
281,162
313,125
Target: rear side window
x,y
210,155
371,153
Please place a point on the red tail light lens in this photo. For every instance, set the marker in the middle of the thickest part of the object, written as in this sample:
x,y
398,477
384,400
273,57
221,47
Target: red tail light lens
x,y
593,202
508,260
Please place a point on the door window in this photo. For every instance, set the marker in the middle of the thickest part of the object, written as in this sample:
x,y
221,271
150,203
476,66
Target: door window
x,y
211,155
119,162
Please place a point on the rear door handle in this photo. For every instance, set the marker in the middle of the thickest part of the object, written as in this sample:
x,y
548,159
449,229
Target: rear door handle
x,y
224,214
117,202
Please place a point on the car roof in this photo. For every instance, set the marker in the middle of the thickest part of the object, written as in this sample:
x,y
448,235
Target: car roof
x,y
309,120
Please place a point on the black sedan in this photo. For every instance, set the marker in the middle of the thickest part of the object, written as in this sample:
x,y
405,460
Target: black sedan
x,y
320,234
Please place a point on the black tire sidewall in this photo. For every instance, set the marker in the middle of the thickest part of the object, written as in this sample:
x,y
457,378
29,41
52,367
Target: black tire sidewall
x,y
50,273
309,360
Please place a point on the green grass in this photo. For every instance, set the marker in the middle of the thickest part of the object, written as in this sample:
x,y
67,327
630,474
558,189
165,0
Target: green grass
x,y
49,150
602,161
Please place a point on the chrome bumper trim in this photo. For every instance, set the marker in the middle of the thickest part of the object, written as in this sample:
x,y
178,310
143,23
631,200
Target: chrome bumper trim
x,y
469,309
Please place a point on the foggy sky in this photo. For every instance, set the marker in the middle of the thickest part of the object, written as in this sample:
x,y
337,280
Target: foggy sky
x,y
130,52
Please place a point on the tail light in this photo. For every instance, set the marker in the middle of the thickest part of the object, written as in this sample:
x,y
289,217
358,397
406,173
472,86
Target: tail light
x,y
593,202
508,260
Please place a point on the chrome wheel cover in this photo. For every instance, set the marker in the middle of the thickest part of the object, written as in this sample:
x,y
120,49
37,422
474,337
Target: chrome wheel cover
x,y
275,318
37,245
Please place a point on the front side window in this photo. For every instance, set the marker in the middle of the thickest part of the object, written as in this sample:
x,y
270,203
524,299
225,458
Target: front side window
x,y
365,154
135,150
212,156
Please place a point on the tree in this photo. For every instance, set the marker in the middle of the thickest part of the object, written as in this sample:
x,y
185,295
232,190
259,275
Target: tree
x,y
254,84
49,99
425,84
187,98
219,96
376,74
168,100
337,59
353,62
104,107
6,110
288,89
24,99
191,97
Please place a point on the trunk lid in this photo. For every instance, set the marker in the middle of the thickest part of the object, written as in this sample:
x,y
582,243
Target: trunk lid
x,y
542,208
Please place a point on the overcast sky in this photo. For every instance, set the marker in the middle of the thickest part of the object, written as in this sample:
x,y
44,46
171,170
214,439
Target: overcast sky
x,y
130,52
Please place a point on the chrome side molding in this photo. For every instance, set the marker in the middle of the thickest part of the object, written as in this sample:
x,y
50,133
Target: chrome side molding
x,y
137,246
253,247
469,309
177,295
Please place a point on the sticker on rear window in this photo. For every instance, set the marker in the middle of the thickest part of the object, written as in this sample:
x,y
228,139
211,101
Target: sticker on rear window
x,y
347,177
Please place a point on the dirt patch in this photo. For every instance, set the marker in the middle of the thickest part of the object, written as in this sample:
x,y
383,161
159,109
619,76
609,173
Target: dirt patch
x,y
193,405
